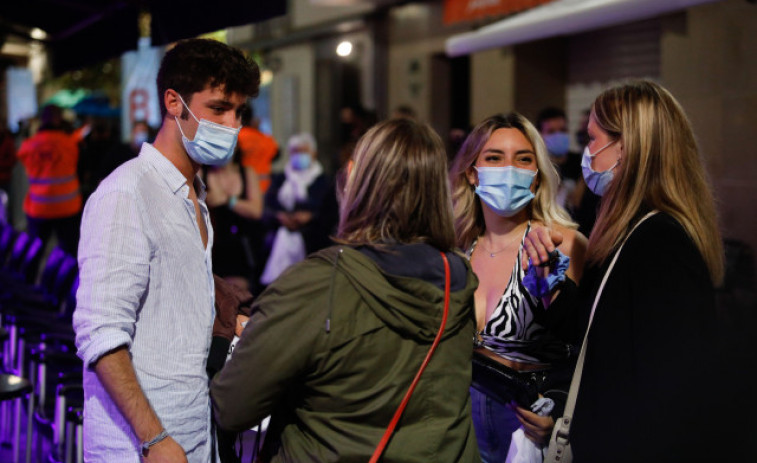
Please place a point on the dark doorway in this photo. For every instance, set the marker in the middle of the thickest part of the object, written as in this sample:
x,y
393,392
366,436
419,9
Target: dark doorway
x,y
337,87
450,102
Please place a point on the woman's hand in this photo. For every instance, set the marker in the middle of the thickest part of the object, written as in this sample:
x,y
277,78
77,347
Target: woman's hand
x,y
241,321
286,220
302,218
539,242
537,428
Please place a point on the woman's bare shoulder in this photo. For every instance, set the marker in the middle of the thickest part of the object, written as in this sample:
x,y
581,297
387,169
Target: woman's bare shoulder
x,y
571,238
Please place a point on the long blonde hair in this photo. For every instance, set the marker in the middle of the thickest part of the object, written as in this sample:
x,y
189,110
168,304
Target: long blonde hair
x,y
467,209
397,190
661,169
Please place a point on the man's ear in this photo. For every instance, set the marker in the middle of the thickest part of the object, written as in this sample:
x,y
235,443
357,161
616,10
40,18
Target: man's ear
x,y
173,104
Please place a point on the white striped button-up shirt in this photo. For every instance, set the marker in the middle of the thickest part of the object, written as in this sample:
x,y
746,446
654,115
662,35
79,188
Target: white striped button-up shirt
x,y
146,282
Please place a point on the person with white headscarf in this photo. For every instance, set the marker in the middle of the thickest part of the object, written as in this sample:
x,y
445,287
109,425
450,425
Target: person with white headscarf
x,y
293,204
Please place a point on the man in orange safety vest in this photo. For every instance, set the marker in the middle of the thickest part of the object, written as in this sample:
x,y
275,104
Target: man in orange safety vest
x,y
53,202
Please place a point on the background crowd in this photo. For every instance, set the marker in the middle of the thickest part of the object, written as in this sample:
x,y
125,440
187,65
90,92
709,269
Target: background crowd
x,y
344,264
248,210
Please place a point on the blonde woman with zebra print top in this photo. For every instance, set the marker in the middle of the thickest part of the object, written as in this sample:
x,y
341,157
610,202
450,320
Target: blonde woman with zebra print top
x,y
503,184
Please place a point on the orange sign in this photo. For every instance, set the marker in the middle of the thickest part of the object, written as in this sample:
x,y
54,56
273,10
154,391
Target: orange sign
x,y
466,10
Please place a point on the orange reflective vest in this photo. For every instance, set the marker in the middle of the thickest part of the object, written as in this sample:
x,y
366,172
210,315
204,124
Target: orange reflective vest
x,y
50,158
258,151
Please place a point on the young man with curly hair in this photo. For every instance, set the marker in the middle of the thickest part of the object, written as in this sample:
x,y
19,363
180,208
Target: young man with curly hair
x,y
145,303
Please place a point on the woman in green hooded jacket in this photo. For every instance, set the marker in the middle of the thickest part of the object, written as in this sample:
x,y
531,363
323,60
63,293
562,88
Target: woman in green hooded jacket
x,y
334,343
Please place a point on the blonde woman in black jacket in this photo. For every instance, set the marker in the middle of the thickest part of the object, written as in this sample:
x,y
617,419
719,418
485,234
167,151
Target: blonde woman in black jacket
x,y
651,389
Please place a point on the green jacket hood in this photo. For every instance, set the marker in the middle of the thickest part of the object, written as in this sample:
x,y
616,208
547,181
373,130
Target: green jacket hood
x,y
408,305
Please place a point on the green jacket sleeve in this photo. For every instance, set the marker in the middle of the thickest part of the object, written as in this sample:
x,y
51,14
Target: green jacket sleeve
x,y
275,348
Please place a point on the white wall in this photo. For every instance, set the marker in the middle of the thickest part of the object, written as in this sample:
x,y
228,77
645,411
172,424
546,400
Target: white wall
x,y
410,75
492,83
292,91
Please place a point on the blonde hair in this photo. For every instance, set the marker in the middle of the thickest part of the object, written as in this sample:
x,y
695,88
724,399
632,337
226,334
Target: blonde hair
x,y
467,209
397,190
661,169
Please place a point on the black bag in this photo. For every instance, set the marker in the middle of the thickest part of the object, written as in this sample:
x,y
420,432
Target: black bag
x,y
501,382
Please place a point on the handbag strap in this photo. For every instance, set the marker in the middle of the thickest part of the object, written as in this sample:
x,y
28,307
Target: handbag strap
x,y
570,405
398,413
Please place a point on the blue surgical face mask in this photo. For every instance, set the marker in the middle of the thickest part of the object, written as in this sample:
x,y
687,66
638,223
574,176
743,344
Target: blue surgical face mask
x,y
596,181
506,190
213,144
558,143
300,161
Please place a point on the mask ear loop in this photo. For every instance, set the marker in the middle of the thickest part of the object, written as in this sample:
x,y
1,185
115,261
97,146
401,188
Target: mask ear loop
x,y
620,157
190,112
180,129
207,122
592,156
617,163
600,149
187,106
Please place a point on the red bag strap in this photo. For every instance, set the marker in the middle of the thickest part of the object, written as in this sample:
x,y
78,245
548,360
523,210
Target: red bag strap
x,y
398,413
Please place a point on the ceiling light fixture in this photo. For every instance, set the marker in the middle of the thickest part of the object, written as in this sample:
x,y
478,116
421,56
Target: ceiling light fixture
x,y
344,48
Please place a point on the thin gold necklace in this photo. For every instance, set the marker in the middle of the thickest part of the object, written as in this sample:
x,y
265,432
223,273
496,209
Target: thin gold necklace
x,y
492,254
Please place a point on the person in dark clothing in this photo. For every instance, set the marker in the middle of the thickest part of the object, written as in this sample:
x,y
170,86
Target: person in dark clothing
x,y
584,202
235,205
232,305
119,153
553,128
334,343
652,387
572,193
92,149
7,156
293,206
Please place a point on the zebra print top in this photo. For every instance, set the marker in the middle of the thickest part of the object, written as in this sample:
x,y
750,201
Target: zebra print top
x,y
514,331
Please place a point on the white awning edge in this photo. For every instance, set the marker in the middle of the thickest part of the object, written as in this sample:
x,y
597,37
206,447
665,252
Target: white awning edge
x,y
561,17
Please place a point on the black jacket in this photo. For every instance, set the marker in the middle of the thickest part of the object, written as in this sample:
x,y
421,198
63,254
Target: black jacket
x,y
651,388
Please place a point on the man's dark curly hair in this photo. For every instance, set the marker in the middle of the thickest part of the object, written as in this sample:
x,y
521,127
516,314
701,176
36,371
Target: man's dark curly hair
x,y
193,64
550,112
